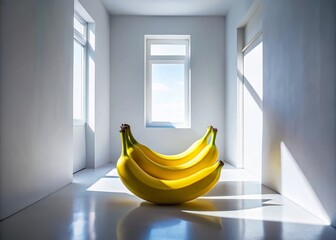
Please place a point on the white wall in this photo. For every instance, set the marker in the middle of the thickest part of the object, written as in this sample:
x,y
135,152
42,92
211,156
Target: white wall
x,y
98,129
253,26
237,17
300,102
36,42
127,79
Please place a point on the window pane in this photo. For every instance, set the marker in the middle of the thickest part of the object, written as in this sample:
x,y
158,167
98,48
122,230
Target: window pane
x,y
79,26
168,100
168,50
78,81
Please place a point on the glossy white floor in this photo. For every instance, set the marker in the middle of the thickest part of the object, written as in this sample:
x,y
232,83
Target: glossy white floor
x,y
97,206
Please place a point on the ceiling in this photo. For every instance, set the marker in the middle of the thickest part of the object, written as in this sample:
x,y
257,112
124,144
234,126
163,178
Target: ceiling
x,y
168,7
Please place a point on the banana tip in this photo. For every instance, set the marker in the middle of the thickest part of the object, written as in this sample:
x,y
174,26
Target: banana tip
x,y
221,163
124,127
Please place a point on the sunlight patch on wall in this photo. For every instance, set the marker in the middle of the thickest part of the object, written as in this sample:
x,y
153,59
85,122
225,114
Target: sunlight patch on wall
x,y
296,187
91,93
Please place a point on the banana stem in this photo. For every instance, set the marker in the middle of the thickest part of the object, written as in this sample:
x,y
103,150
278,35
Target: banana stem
x,y
123,142
127,137
208,133
130,135
214,130
208,136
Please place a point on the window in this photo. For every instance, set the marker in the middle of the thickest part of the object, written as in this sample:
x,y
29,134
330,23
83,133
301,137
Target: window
x,y
252,90
79,69
167,78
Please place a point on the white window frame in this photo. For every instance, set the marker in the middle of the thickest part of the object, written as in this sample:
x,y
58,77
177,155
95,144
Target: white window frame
x,y
82,40
167,59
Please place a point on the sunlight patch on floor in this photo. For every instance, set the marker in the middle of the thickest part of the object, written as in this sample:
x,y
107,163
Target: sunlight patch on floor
x,y
112,173
248,201
111,185
237,175
274,207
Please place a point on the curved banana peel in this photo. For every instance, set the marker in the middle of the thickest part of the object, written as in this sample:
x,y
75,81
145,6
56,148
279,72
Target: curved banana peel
x,y
162,191
207,157
171,160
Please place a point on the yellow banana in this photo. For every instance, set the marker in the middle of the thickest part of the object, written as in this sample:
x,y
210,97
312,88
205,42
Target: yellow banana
x,y
207,157
164,191
172,160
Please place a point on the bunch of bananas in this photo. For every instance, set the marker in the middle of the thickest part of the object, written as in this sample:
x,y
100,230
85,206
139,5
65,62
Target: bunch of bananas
x,y
169,179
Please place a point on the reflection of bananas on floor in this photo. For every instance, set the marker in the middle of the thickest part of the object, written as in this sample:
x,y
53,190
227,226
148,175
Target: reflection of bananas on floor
x,y
149,217
206,157
171,160
167,184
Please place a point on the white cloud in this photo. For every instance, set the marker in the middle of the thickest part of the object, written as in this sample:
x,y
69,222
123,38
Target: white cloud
x,y
159,87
